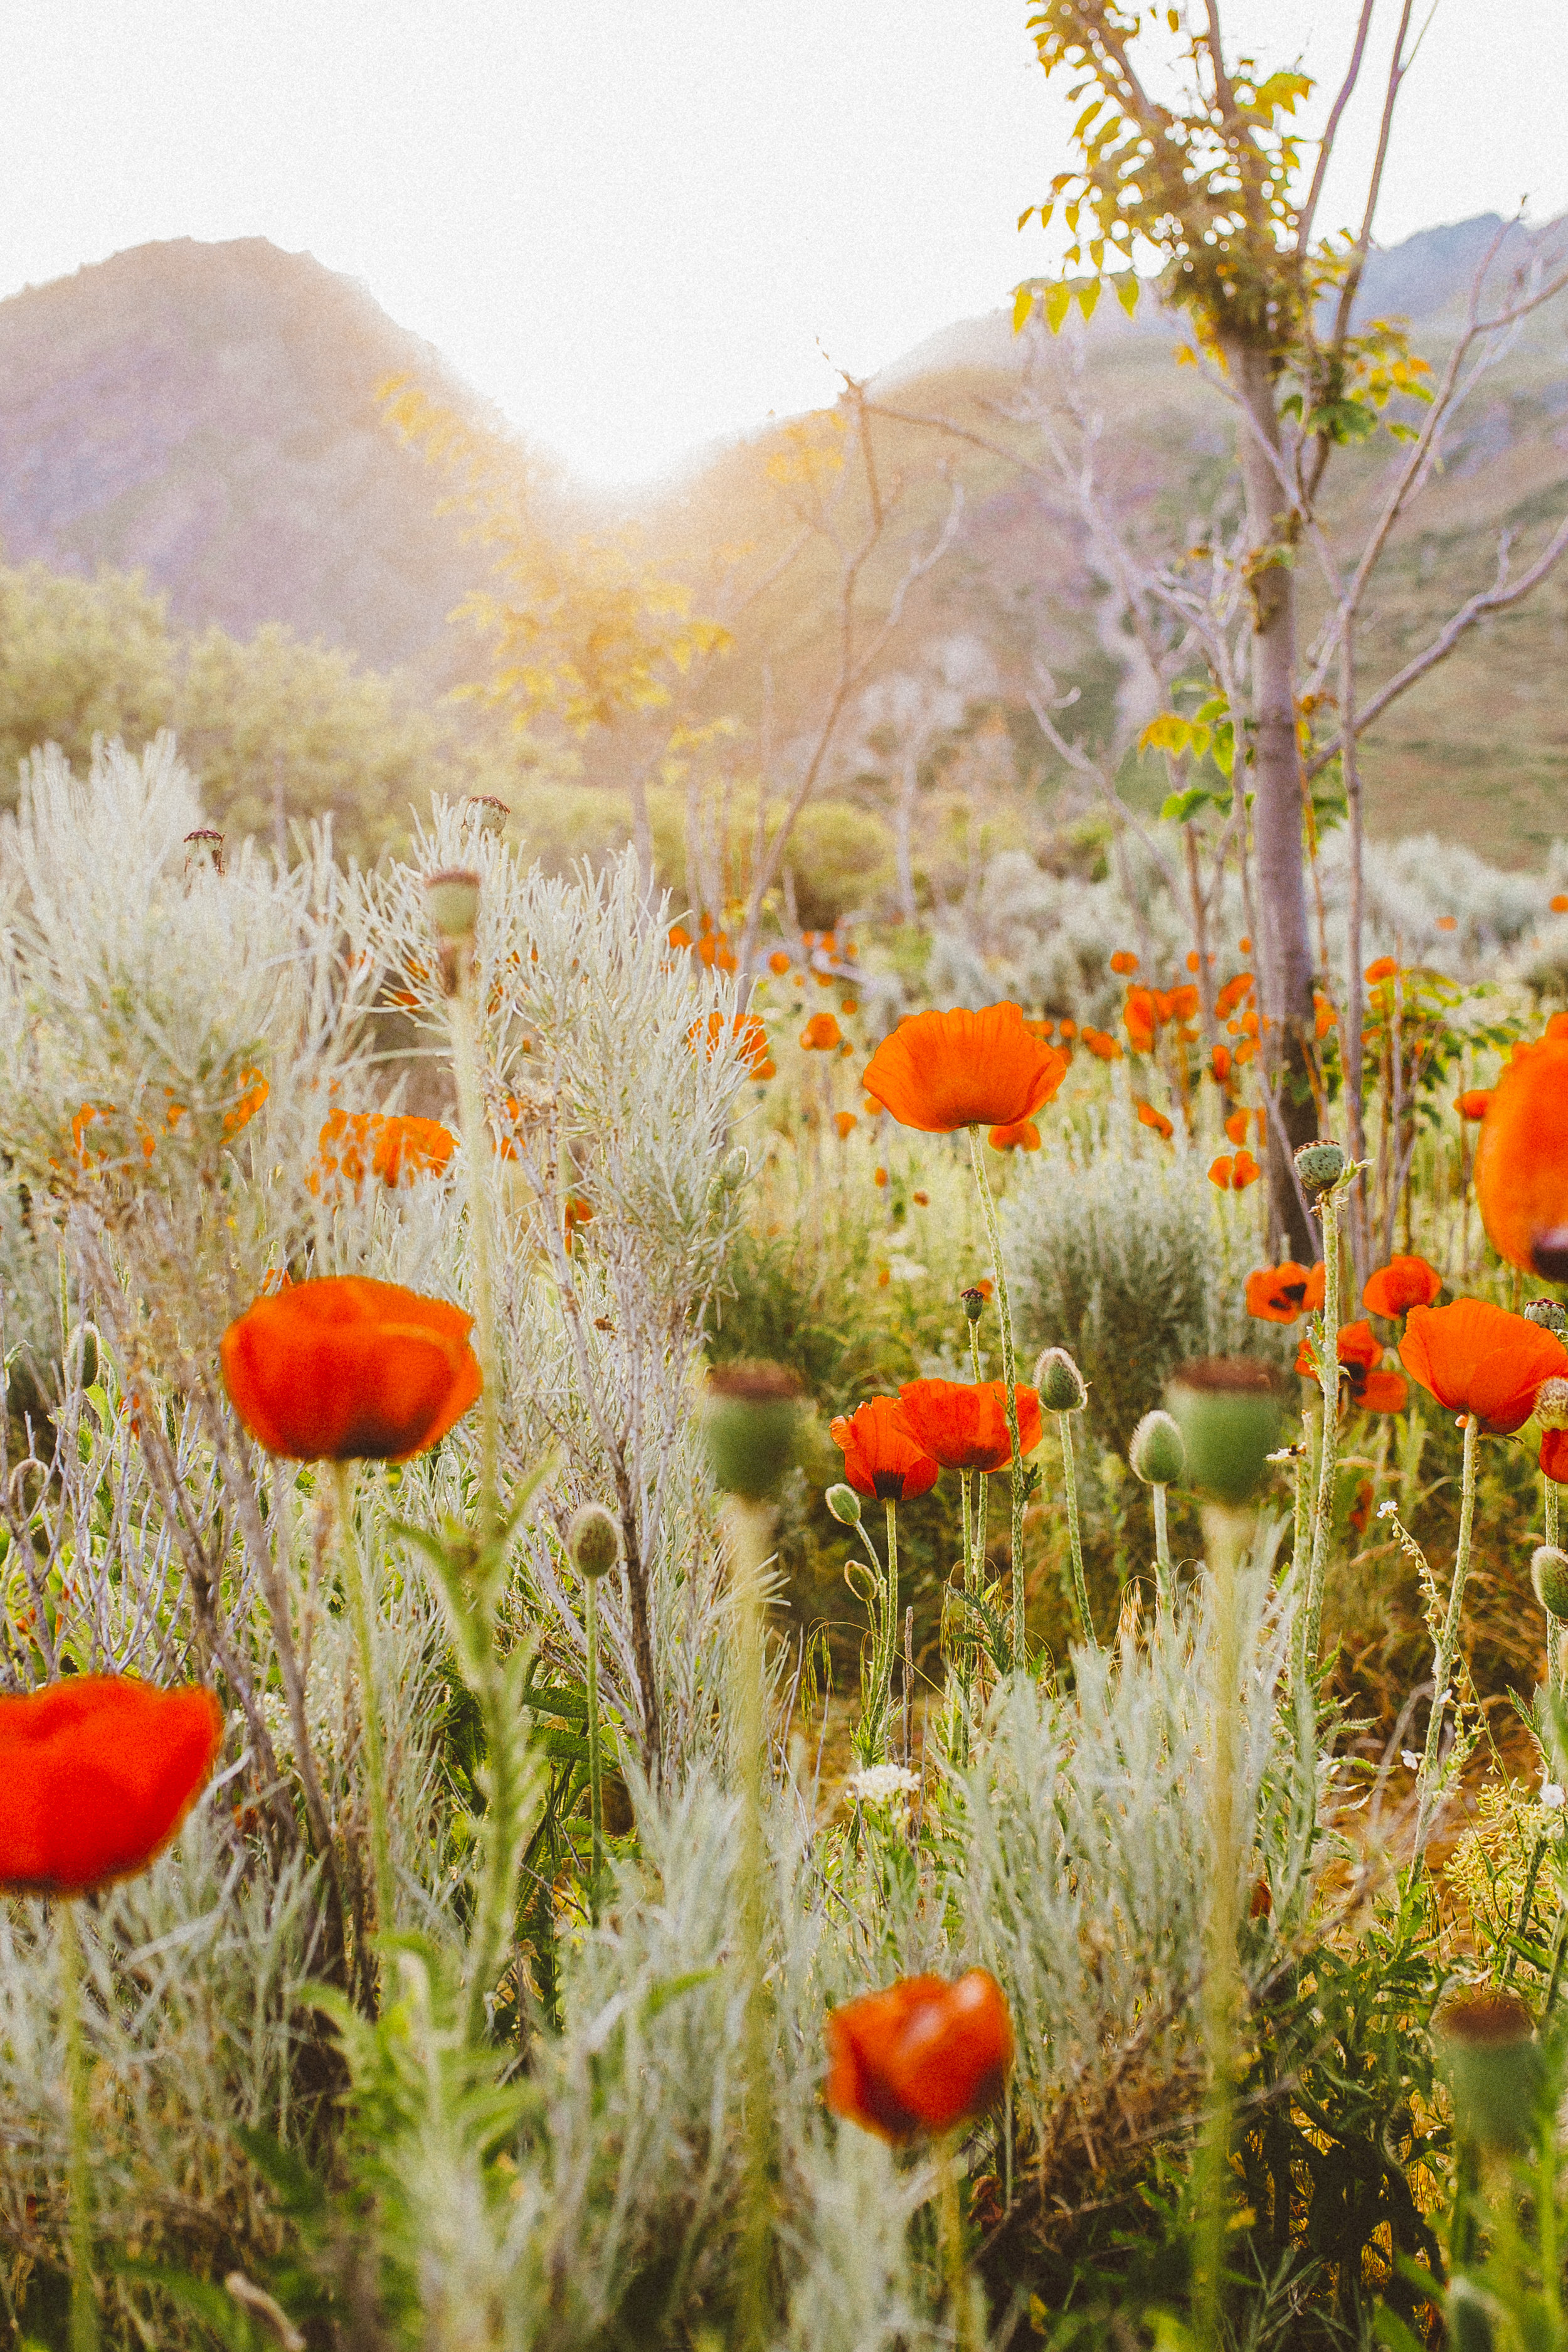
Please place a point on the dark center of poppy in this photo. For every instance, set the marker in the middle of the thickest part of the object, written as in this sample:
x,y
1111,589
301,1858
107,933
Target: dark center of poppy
x,y
1549,1253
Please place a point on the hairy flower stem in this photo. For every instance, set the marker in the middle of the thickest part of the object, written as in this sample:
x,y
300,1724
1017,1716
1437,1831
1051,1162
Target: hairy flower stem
x,y
748,1526
79,2161
1009,1394
960,2317
1069,1481
595,1769
357,1585
1556,1626
1164,1575
1328,1380
471,1133
965,1634
890,1623
1224,1541
1448,1645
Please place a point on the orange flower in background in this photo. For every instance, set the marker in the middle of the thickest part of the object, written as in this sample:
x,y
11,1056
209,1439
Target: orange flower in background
x,y
1183,1004
1219,1062
411,1147
1141,1014
1069,1028
942,1071
881,1458
1559,904
878,1177
1554,1455
1474,1103
1324,1017
920,2057
345,1368
1447,922
846,1122
578,1211
1237,1125
1149,1117
1021,1136
820,1034
1278,1294
1360,1355
1232,994
97,1773
755,1050
254,1091
1386,968
1403,1283
1479,1358
963,1425
778,963
679,936
1104,1047
1521,1160
1234,1175
1123,961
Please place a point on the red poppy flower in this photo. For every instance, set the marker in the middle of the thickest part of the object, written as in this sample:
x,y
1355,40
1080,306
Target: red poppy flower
x,y
96,1775
346,1369
1521,1161
779,962
1123,961
1474,1103
942,1071
1104,1047
1232,994
963,1425
1149,1117
820,1034
1386,968
920,2057
881,1458
1278,1294
1360,1355
1477,1357
1554,1455
411,1147
846,1122
1403,1283
1021,1136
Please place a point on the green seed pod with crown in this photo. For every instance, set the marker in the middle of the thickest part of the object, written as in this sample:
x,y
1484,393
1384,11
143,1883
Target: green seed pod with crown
x,y
753,1427
1321,1165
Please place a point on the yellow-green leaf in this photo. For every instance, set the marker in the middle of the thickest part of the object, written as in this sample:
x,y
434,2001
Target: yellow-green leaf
x,y
1023,304
1127,287
1088,296
1057,301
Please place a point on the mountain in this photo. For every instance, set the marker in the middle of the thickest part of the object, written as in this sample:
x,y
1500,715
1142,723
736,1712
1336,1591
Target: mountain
x,y
206,413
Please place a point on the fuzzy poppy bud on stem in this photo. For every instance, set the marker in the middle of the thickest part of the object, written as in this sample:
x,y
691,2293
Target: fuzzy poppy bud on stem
x,y
1059,1382
1547,1313
1549,1575
1157,1453
1485,2048
593,1540
753,1428
1551,1403
974,1304
1227,1412
845,1505
1321,1166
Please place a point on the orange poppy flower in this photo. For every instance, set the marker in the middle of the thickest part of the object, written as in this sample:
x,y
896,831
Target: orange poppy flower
x,y
345,1368
1232,994
879,1179
1278,1294
1447,922
1183,1003
1403,1283
1324,1017
97,1773
881,1458
942,1071
411,1147
963,1425
254,1091
1386,968
1559,904
1245,945
1104,1047
1477,1357
1521,1161
779,962
754,1046
679,936
1069,1028
921,2056
1123,961
1234,1175
820,1034
1554,1455
1149,1117
1360,1355
846,1122
1474,1103
1021,1136
1219,1062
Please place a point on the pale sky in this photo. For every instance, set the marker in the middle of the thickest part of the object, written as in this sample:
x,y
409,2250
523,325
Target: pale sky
x,y
636,225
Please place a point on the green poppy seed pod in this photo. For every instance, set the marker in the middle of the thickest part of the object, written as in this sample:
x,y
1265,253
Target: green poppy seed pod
x,y
1551,1403
452,898
1485,2044
1059,1382
593,1540
1548,1574
485,813
845,1505
1228,1410
1549,1315
974,1304
1157,1453
753,1427
1468,2316
1321,1165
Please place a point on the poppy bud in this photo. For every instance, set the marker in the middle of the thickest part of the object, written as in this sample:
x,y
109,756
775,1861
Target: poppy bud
x,y
1321,1165
1485,2048
1549,1315
593,1540
1059,1382
973,1303
1157,1453
485,813
452,898
1548,1574
1552,1404
845,1505
753,1428
1228,1410
203,852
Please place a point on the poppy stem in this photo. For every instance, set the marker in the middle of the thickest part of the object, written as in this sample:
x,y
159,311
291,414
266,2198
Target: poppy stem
x,y
471,1130
1447,1643
954,2263
1224,1535
964,1630
1010,1391
1164,1578
1070,1488
595,1769
83,2294
1555,1625
747,1525
890,1643
357,1584
1328,1380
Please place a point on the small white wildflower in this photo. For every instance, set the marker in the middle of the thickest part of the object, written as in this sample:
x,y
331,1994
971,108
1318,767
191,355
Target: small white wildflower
x,y
879,1784
1386,1511
1411,1762
1551,1796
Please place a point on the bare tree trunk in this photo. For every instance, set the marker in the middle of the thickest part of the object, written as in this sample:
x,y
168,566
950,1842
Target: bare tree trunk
x,y
1284,945
1351,1038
